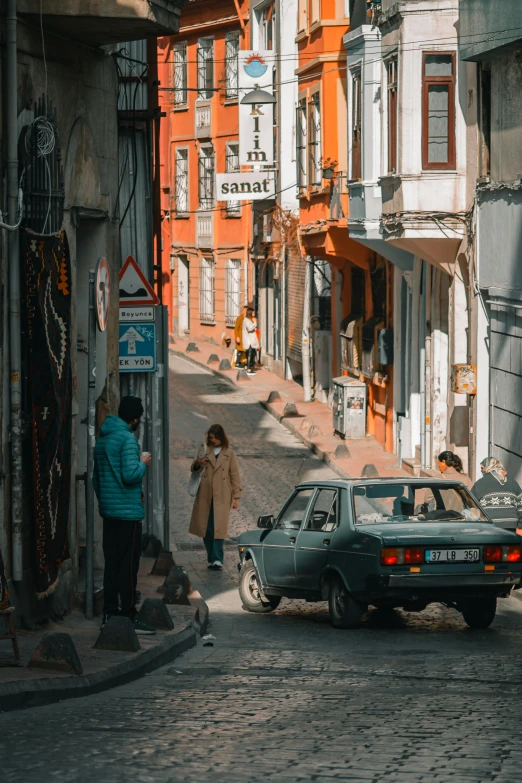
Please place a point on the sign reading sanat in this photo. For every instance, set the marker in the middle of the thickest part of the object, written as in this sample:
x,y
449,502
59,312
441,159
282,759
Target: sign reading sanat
x,y
246,185
256,121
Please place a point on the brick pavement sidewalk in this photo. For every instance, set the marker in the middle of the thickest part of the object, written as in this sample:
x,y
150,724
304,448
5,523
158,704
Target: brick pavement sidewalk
x,y
102,669
313,426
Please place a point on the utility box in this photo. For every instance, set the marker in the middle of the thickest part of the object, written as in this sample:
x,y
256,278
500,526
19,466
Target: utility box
x,y
349,407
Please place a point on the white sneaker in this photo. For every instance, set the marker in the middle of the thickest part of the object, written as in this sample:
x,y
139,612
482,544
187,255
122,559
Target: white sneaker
x,y
250,372
217,564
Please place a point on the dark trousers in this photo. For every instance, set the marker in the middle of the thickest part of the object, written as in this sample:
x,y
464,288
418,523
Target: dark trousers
x,y
214,546
121,550
251,358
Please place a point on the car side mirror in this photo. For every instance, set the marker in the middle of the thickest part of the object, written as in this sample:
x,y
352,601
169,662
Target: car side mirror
x,y
266,523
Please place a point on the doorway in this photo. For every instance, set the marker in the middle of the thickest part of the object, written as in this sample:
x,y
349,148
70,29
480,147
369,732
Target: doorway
x,y
183,296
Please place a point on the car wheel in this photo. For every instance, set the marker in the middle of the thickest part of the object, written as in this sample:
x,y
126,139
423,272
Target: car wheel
x,y
345,611
250,593
478,612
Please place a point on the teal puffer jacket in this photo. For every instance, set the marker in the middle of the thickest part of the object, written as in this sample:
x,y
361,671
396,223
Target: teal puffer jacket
x,y
118,472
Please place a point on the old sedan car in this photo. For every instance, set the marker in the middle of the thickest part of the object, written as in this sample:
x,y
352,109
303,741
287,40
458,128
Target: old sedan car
x,y
381,542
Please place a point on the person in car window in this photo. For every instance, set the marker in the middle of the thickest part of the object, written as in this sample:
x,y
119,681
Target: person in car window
x,y
499,495
452,469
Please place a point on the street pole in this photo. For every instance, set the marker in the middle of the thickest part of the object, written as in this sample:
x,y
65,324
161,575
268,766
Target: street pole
x,y
91,414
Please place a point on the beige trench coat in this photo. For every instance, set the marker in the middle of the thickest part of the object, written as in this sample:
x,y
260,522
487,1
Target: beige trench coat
x,y
220,483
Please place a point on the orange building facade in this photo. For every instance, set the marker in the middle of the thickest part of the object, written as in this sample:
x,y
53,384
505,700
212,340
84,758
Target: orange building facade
x,y
207,273
352,285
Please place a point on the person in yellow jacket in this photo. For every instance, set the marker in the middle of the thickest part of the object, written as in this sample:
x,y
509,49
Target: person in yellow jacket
x,y
238,337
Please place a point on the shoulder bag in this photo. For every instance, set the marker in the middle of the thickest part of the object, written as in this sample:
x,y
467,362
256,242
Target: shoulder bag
x,y
196,475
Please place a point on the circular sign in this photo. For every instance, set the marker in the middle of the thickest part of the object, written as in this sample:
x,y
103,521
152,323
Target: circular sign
x,y
255,66
102,293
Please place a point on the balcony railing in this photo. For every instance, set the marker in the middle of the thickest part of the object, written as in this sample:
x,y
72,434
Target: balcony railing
x,y
205,229
203,120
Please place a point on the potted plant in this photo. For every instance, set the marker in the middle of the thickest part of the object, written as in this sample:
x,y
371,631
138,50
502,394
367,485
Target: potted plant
x,y
328,166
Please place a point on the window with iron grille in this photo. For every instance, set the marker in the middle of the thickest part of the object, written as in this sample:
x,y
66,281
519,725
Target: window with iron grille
x,y
232,164
356,172
206,291
391,70
314,141
180,73
205,62
301,144
232,291
231,63
182,180
206,177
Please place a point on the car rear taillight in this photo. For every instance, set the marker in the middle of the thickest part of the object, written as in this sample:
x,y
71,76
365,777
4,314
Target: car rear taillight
x,y
492,554
389,556
503,554
414,555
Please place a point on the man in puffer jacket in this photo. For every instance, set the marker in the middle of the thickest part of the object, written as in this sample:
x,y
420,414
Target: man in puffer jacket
x,y
117,480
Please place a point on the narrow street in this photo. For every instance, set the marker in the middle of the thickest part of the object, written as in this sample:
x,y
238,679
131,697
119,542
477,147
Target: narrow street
x,y
284,697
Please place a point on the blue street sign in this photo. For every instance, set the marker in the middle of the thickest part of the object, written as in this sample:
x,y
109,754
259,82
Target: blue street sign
x,y
137,347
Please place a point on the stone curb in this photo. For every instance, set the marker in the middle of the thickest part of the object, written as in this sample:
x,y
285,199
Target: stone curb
x,y
322,455
36,693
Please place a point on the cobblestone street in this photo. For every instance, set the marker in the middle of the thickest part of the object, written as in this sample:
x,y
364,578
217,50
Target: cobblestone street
x,y
284,697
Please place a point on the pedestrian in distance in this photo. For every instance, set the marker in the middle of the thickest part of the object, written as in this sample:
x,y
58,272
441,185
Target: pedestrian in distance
x,y
118,474
452,469
499,495
250,341
238,337
219,491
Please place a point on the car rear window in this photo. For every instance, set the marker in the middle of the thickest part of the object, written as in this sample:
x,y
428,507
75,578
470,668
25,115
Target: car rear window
x,y
429,502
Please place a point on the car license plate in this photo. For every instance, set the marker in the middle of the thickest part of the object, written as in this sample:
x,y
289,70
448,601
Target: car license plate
x,y
452,555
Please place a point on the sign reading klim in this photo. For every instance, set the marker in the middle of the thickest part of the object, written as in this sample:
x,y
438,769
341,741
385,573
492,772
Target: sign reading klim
x,y
248,186
256,120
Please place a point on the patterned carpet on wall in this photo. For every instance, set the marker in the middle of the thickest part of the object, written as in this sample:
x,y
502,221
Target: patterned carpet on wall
x,y
47,274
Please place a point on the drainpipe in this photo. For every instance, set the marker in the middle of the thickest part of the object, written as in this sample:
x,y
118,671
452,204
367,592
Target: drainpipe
x,y
422,365
305,346
14,292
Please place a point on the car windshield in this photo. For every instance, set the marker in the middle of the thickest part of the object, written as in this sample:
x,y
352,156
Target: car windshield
x,y
414,502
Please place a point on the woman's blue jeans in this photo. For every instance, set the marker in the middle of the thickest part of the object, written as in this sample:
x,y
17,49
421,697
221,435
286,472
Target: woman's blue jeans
x,y
214,546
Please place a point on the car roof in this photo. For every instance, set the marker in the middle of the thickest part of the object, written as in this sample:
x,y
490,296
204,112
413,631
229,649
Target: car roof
x,y
380,480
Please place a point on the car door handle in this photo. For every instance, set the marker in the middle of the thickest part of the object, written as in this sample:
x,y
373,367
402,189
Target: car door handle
x,y
292,540
326,541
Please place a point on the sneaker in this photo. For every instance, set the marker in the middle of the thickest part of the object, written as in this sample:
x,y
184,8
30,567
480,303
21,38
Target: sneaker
x,y
217,564
210,565
251,372
143,628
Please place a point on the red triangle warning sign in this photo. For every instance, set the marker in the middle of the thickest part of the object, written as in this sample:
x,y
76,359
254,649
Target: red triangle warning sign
x,y
135,289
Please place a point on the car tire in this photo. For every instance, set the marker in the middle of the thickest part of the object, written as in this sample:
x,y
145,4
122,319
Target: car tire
x,y
250,594
478,613
345,611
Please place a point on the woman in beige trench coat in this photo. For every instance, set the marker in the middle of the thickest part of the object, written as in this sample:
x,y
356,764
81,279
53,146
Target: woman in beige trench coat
x,y
219,491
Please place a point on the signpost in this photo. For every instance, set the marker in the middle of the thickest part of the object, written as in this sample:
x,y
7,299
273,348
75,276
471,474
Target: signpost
x,y
245,186
256,121
138,347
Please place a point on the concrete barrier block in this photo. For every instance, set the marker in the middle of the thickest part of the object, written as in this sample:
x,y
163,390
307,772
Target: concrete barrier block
x,y
192,348
153,612
242,375
224,364
341,452
290,410
370,471
213,359
176,576
56,651
164,563
118,634
274,396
